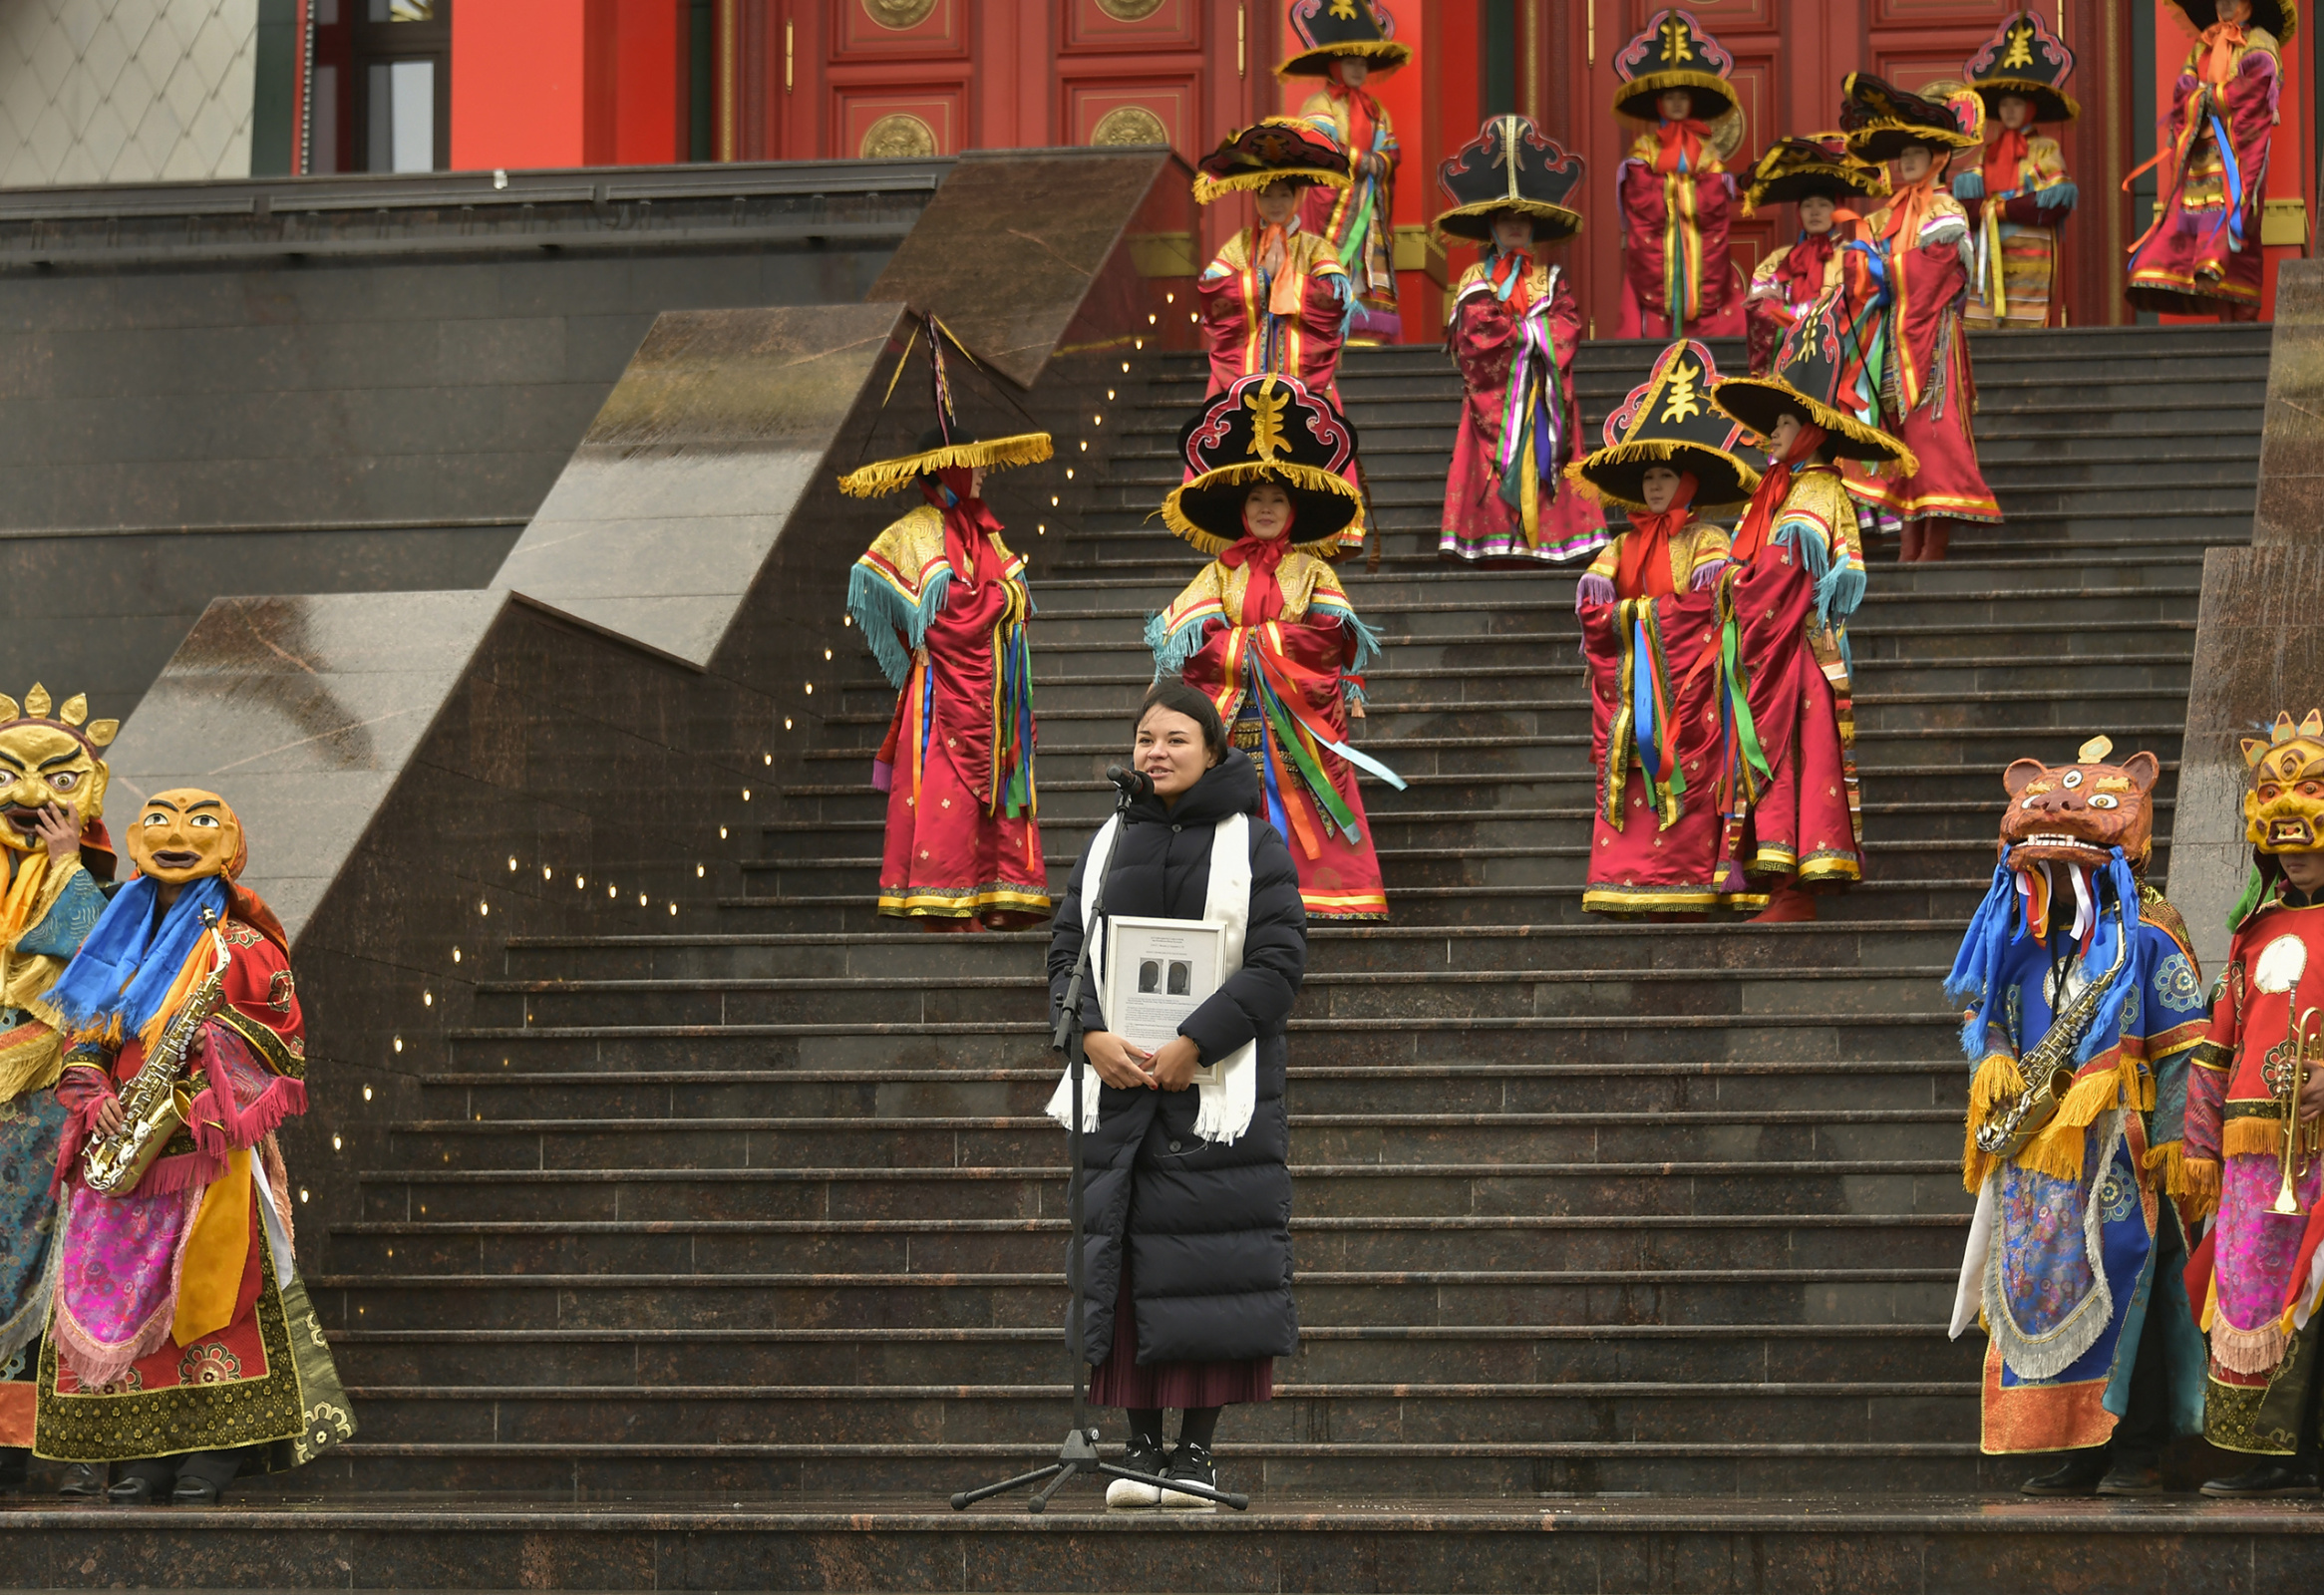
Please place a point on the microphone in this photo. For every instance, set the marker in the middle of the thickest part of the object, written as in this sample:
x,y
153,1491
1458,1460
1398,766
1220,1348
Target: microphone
x,y
1132,784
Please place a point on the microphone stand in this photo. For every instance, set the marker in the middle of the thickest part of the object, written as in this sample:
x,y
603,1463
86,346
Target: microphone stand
x,y
1078,1453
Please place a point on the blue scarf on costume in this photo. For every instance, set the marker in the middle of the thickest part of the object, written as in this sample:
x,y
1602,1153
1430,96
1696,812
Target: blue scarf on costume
x,y
127,966
1999,925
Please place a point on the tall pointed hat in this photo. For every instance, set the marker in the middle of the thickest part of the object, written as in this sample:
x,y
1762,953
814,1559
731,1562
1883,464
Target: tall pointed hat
x,y
1669,420
947,445
1805,380
1266,428
2026,59
1511,168
1330,28
1672,51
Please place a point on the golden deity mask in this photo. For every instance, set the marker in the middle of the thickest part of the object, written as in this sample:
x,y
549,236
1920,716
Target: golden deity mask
x,y
186,834
2283,812
50,759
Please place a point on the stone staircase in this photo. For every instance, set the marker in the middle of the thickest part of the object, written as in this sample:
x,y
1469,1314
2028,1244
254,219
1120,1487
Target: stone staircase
x,y
1583,1209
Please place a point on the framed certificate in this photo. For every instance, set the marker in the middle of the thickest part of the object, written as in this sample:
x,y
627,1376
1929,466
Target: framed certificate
x,y
1158,971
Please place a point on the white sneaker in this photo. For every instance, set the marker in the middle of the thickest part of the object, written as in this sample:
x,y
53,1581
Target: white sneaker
x,y
1129,1493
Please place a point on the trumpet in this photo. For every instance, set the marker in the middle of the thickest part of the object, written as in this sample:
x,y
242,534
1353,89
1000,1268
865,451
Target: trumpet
x,y
2298,1038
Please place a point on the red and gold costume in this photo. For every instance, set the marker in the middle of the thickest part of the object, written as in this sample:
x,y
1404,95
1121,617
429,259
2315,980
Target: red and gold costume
x,y
1357,221
1512,330
181,1327
942,604
1795,275
1268,631
47,761
2202,254
1904,292
2018,194
1676,195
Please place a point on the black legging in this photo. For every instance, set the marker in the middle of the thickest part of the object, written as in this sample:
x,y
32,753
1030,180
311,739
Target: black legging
x,y
1195,1424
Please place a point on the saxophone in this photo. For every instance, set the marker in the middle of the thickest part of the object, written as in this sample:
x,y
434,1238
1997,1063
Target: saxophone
x,y
2049,1068
155,1103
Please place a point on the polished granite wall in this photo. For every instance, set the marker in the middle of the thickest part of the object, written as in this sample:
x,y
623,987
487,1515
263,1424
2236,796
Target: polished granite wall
x,y
2259,635
581,747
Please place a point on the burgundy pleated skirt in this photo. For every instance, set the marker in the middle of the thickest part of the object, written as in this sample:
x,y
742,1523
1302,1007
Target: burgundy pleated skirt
x,y
1120,1380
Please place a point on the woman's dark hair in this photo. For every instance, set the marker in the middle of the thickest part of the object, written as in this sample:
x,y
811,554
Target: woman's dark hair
x,y
1180,698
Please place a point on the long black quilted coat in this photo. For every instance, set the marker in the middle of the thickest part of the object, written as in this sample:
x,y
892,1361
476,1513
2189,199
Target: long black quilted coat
x,y
1206,1227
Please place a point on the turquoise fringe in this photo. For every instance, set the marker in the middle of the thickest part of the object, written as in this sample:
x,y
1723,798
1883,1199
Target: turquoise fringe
x,y
881,614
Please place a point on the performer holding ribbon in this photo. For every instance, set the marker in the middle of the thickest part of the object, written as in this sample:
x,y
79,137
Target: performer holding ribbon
x,y
1267,630
1818,176
1677,198
2251,1151
2084,1006
2020,194
58,864
1513,331
1906,281
1345,42
942,605
2202,254
181,1348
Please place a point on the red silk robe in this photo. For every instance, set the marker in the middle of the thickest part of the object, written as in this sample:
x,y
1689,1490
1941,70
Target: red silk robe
x,y
1783,288
1357,221
1700,243
1490,337
2202,254
1246,337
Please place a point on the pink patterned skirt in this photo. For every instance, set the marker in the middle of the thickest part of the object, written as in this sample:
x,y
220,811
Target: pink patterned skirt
x,y
1120,1380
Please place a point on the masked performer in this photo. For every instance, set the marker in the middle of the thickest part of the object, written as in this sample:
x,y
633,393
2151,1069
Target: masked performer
x,y
1904,291
2083,1007
1677,198
181,1348
1267,630
1802,514
943,604
1647,605
1818,176
59,866
1513,331
1344,44
2202,256
2256,1276
2018,197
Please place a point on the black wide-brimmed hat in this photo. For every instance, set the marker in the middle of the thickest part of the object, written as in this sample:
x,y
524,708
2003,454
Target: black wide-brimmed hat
x,y
1669,420
2025,59
1330,28
1806,379
946,444
1816,167
1266,428
1881,120
1509,169
2279,17
1672,51
1273,150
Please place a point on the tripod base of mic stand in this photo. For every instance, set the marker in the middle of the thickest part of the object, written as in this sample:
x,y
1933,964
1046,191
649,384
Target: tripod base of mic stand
x,y
1079,1454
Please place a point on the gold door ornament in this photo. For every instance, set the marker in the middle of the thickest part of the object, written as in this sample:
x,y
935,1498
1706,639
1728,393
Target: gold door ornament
x,y
898,135
1130,125
899,14
1129,11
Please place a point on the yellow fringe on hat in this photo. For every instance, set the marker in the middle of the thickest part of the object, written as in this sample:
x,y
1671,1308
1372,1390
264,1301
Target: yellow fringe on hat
x,y
1660,452
1313,478
1387,55
886,475
1208,188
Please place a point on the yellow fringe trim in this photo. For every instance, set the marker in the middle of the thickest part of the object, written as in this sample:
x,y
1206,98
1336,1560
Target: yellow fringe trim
x,y
1637,88
2244,1137
2194,1182
1387,55
2057,1151
886,475
1312,477
1543,214
30,1065
1658,451
1997,1081
1922,132
1848,426
1209,190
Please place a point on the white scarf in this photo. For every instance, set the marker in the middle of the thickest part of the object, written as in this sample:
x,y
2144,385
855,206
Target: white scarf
x,y
1226,1105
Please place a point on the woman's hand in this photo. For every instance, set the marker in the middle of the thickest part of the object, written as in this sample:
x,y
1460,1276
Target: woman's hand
x,y
1118,1062
108,1119
1175,1066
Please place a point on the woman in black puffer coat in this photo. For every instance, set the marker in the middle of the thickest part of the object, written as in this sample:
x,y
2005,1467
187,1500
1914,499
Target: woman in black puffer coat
x,y
1187,1242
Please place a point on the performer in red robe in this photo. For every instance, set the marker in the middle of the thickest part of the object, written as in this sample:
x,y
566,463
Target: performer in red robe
x,y
1512,330
2019,194
1268,631
1820,176
1346,42
1905,293
943,604
1677,198
2201,256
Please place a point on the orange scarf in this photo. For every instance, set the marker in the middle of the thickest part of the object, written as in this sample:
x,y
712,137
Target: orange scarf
x,y
1681,141
1909,208
1643,571
1271,253
2003,162
2222,42
1758,522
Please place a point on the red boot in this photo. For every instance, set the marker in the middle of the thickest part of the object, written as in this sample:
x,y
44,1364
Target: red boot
x,y
1789,906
